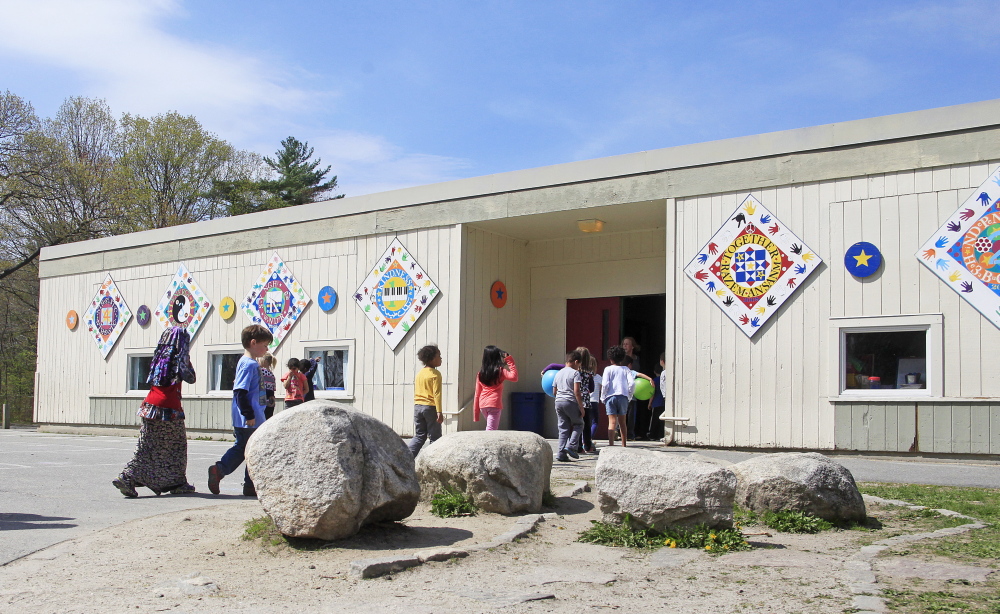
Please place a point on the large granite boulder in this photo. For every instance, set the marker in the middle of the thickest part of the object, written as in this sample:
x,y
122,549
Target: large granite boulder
x,y
323,470
802,482
504,472
660,490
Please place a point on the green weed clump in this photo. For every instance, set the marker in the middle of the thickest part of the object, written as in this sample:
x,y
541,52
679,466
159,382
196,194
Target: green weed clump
x,y
548,499
450,502
788,521
264,529
626,535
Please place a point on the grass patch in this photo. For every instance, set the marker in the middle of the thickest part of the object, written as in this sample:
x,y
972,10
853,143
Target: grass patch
x,y
626,535
979,546
928,602
262,528
450,502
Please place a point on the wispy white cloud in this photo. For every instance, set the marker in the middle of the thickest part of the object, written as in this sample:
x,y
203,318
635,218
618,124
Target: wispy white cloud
x,y
366,164
122,51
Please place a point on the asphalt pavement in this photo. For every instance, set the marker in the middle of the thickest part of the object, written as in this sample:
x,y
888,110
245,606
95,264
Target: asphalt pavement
x,y
58,487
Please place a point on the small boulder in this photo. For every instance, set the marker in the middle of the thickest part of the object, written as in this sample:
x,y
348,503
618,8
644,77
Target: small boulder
x,y
504,472
660,490
802,482
323,470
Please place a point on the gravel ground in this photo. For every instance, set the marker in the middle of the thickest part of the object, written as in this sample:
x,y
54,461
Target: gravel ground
x,y
195,561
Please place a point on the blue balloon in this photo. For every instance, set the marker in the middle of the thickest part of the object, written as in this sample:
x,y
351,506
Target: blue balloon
x,y
548,378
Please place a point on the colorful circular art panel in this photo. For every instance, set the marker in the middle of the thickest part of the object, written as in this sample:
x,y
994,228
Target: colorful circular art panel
x,y
327,298
498,294
227,307
143,315
862,259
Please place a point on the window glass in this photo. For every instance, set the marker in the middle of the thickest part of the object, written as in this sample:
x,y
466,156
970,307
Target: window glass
x,y
224,370
138,372
891,359
332,368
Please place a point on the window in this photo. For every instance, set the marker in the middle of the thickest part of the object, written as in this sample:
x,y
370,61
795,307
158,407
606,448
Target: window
x,y
223,370
334,375
138,371
883,356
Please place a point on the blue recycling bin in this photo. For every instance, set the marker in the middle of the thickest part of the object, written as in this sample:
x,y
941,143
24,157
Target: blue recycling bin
x,y
528,411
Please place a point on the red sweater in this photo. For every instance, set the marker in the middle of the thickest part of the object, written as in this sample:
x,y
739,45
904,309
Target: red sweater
x,y
492,396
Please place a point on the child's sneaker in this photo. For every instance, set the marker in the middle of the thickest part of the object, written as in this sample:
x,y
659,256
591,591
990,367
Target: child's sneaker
x,y
214,477
562,457
572,453
183,489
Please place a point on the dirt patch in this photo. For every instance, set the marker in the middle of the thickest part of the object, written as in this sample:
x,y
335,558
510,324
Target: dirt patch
x,y
196,561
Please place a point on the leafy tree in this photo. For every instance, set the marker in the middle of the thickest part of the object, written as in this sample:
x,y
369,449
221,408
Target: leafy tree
x,y
171,164
299,180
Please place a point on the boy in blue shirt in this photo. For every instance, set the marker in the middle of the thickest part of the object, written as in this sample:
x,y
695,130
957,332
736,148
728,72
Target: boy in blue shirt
x,y
248,411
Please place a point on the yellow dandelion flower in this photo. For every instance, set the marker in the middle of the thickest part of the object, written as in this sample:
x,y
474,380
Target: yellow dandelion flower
x,y
673,544
708,547
711,535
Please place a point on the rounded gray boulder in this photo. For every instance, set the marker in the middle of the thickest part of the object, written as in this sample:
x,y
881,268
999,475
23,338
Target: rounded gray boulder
x,y
801,482
504,472
659,490
323,470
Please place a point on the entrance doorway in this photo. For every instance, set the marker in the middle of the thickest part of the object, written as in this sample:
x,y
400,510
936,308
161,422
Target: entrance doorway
x,y
599,323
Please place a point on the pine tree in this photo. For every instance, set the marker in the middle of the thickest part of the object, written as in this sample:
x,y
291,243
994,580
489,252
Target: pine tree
x,y
299,179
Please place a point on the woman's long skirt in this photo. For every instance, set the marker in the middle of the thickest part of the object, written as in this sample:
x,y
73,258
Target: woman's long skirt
x,y
160,461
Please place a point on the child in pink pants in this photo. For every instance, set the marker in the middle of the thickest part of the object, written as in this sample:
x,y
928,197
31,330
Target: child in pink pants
x,y
498,367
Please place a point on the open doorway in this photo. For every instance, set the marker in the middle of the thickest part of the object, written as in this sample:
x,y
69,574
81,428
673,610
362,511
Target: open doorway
x,y
599,323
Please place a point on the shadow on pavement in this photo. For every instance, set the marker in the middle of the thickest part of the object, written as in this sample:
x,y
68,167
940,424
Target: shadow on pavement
x,y
14,522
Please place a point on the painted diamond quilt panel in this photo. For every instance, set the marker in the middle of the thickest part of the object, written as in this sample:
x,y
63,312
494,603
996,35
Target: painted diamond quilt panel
x,y
107,316
395,294
276,300
752,265
183,304
965,251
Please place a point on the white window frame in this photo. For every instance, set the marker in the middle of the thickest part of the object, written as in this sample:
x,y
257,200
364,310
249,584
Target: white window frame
x,y
352,358
210,380
932,323
129,391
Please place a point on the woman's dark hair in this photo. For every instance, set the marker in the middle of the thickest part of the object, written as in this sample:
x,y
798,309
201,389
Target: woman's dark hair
x,y
293,363
615,354
493,364
427,353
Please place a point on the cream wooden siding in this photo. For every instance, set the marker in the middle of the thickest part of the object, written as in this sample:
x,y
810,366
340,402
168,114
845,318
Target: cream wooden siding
x,y
773,391
488,257
383,380
587,266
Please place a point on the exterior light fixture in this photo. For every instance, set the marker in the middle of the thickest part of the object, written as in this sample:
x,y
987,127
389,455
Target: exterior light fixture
x,y
590,225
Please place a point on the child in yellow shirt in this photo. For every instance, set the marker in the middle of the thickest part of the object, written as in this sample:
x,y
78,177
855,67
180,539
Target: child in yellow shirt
x,y
427,416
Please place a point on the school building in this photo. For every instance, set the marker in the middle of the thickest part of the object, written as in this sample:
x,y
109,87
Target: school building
x,y
797,282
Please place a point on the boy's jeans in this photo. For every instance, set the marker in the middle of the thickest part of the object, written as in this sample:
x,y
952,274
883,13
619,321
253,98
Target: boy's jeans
x,y
425,426
570,425
235,455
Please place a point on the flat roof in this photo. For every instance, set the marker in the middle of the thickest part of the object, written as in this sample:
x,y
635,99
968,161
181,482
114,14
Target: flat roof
x,y
901,126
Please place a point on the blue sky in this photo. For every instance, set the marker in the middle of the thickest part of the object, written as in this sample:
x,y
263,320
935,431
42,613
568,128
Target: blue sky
x,y
394,94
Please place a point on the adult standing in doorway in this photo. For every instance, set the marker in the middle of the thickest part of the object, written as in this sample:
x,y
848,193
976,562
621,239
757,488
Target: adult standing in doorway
x,y
631,351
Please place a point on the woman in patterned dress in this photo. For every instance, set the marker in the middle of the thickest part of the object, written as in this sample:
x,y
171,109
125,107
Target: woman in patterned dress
x,y
160,461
